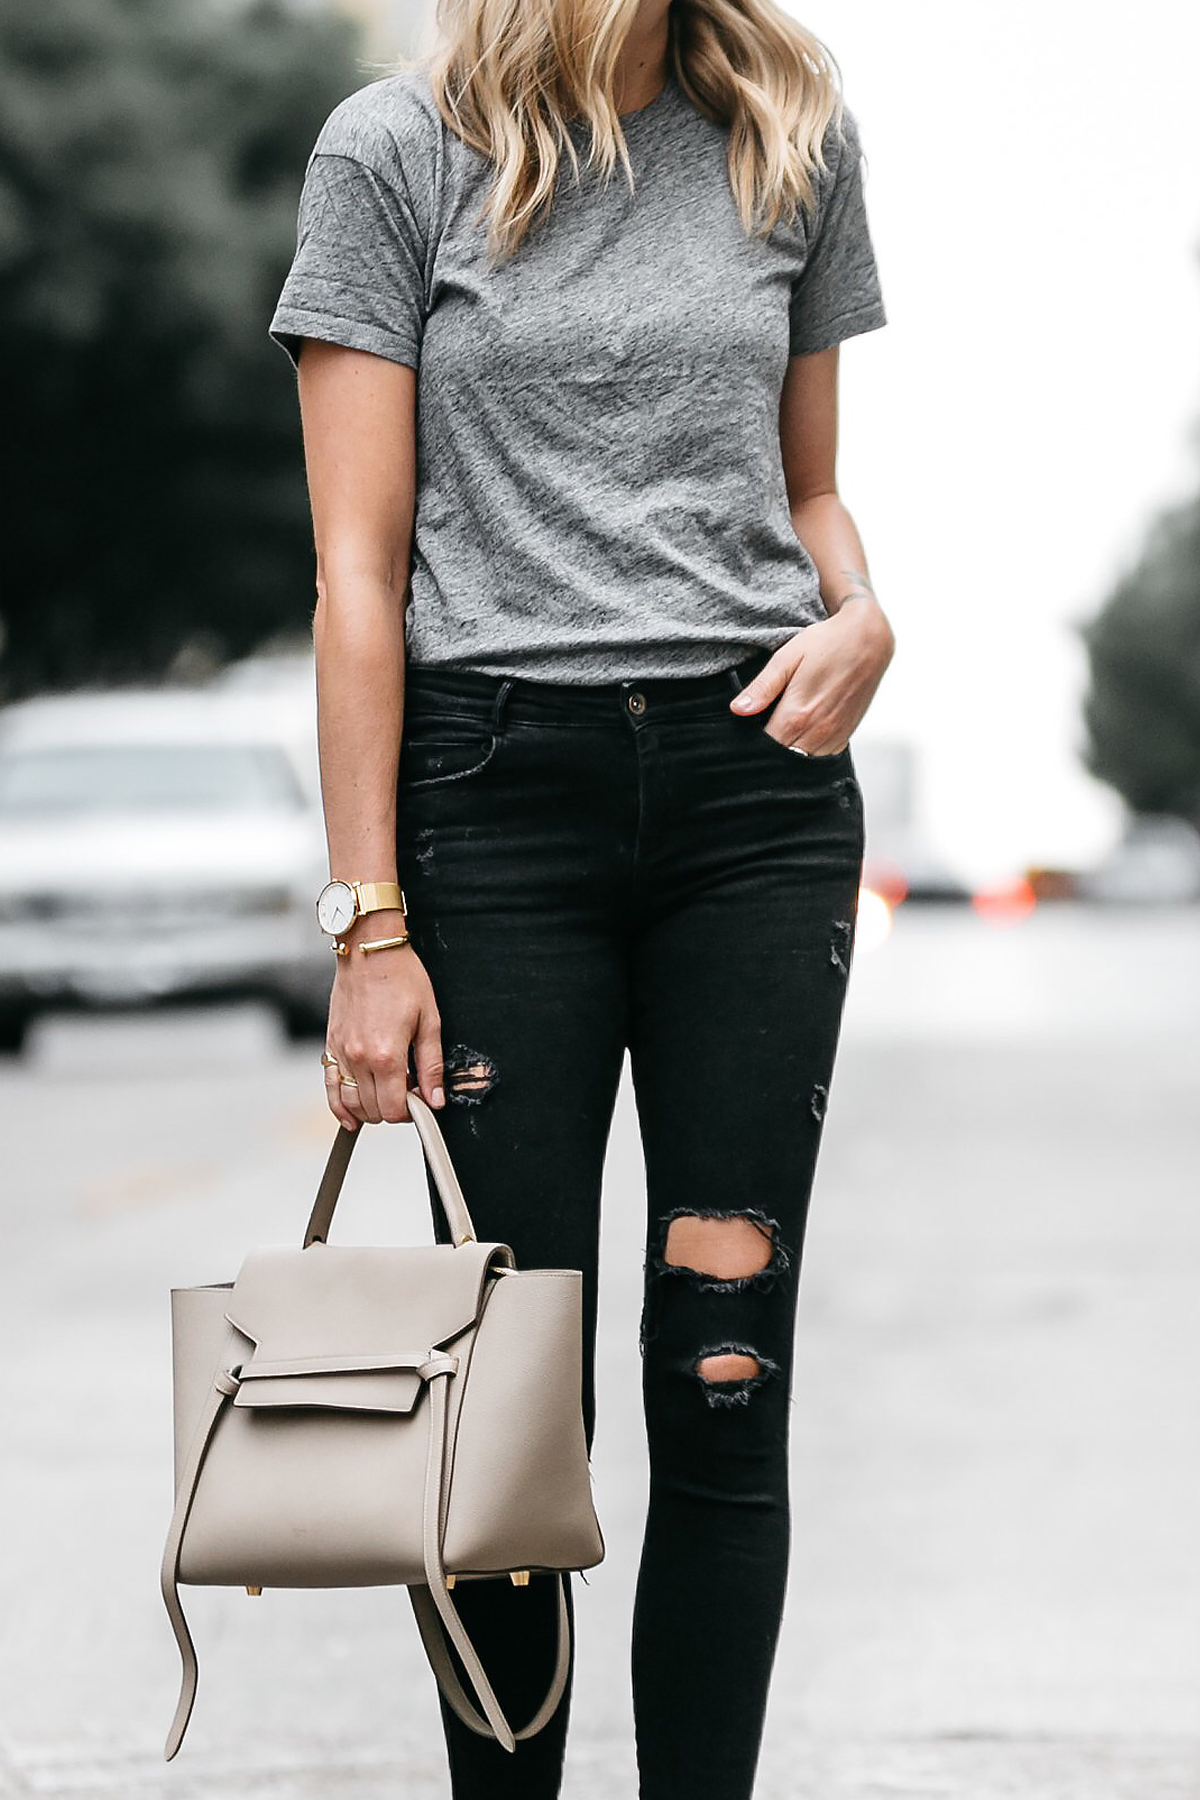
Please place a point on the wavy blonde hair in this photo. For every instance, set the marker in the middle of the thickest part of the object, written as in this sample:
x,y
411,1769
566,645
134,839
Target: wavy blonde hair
x,y
507,73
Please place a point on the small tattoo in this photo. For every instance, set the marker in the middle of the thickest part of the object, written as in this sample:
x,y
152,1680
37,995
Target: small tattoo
x,y
861,590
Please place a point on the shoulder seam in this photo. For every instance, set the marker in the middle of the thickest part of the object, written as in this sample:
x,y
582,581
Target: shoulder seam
x,y
403,195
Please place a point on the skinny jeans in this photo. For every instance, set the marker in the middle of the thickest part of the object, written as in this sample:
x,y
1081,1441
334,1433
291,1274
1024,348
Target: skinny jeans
x,y
597,869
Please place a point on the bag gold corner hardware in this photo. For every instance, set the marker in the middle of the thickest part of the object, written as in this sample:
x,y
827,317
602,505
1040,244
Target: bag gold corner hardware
x,y
254,1590
519,1577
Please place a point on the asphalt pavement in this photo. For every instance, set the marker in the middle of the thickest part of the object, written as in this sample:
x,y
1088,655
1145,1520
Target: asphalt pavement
x,y
995,1584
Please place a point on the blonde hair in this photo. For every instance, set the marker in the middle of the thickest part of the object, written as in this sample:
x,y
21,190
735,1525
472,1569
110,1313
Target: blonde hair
x,y
506,73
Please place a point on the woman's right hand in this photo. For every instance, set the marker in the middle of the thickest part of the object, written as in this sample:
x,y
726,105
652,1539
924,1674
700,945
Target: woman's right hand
x,y
382,1002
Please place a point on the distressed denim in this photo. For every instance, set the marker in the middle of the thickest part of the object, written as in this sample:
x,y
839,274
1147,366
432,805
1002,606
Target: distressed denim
x,y
591,870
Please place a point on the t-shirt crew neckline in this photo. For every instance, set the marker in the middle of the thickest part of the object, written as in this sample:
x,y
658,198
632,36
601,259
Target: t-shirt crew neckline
x,y
632,121
640,112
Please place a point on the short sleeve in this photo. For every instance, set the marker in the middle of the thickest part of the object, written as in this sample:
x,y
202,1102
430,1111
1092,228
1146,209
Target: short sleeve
x,y
357,277
837,294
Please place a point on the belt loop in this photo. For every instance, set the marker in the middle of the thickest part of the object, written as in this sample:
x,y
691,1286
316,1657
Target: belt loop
x,y
502,693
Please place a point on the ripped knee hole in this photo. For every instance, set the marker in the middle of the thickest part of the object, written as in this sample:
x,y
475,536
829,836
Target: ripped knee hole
x,y
730,1373
728,1365
722,1248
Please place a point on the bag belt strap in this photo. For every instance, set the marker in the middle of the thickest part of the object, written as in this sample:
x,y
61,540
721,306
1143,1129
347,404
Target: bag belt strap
x,y
224,1386
431,1602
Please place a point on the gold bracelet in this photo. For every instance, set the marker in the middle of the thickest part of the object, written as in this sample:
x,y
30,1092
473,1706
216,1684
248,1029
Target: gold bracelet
x,y
385,943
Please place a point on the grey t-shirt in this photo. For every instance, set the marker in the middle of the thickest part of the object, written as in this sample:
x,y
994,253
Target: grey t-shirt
x,y
600,488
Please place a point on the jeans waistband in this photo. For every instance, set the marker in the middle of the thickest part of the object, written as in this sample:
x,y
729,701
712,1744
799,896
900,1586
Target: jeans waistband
x,y
522,696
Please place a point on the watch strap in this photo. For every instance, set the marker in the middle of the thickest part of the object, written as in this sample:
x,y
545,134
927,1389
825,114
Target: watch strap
x,y
380,896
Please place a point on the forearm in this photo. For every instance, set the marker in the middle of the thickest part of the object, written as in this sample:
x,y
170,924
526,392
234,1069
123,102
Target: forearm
x,y
358,636
823,678
828,532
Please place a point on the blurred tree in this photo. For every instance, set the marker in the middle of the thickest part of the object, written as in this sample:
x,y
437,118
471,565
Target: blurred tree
x,y
151,155
1142,710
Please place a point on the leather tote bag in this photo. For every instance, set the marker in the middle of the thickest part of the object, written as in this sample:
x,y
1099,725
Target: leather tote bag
x,y
354,1415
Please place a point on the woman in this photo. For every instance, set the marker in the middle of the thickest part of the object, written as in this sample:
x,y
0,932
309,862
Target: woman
x,y
593,630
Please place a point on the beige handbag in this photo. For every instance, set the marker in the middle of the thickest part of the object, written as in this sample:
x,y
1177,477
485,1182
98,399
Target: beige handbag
x,y
348,1416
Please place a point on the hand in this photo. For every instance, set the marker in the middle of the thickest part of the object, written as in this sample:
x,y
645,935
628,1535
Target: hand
x,y
825,678
381,1004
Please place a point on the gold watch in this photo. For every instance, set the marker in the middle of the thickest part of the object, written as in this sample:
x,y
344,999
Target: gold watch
x,y
339,903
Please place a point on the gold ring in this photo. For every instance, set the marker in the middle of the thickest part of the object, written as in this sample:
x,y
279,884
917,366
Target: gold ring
x,y
328,1061
348,1081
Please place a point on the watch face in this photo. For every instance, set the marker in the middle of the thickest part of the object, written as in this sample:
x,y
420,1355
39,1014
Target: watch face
x,y
336,907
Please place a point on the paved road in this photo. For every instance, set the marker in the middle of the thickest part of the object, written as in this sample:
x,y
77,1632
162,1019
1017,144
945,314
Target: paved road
x,y
995,1587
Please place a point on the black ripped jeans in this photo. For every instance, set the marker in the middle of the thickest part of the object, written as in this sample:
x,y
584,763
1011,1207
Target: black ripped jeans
x,y
600,868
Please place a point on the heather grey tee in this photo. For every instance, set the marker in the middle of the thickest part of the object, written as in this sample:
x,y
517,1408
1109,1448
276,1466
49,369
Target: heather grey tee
x,y
600,490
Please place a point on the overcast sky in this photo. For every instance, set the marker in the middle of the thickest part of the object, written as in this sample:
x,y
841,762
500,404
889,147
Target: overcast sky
x,y
1034,196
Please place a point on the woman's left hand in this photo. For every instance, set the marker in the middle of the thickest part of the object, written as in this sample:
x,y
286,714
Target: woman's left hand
x,y
824,678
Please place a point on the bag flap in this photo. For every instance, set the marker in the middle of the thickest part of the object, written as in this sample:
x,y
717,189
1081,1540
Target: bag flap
x,y
394,1392
348,1326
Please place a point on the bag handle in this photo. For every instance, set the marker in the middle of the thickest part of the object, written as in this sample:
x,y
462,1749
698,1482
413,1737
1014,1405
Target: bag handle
x,y
433,1145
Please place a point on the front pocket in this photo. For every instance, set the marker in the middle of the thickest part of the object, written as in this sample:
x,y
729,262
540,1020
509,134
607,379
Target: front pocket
x,y
823,761
435,751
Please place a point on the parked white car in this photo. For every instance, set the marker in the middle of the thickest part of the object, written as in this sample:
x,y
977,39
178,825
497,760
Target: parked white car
x,y
161,842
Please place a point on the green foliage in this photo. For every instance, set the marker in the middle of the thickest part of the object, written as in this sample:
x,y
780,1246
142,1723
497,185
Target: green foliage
x,y
1142,710
151,155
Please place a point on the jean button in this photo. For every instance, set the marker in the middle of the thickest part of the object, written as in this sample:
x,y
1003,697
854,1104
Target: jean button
x,y
636,703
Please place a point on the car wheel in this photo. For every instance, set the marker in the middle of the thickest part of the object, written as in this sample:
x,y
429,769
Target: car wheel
x,y
303,1019
13,1028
